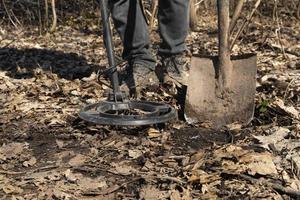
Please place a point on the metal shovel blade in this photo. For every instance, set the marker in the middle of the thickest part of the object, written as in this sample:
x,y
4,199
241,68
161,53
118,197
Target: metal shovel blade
x,y
204,102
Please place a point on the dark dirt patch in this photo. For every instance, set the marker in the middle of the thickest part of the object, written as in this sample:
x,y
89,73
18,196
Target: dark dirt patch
x,y
200,138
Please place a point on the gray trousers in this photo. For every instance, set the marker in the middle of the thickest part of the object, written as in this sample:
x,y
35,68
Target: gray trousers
x,y
173,17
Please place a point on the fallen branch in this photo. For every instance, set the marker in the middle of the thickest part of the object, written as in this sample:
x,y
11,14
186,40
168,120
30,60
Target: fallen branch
x,y
275,186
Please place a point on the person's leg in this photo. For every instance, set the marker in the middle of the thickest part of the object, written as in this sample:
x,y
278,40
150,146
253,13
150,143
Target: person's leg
x,y
173,17
131,25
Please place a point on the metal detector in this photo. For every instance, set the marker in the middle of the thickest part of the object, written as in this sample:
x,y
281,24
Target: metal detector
x,y
118,109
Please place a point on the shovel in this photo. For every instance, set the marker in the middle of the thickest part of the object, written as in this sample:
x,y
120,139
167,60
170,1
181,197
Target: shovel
x,y
221,89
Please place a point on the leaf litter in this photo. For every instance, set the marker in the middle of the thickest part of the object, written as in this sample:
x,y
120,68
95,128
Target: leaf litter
x,y
47,152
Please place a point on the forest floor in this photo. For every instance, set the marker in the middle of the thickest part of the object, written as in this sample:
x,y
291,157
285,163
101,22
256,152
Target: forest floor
x,y
47,152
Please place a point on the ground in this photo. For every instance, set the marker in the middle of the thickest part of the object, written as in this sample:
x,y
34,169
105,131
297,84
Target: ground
x,y
47,152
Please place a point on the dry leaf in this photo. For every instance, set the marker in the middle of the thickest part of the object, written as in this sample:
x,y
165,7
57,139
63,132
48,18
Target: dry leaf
x,y
122,168
154,133
56,194
60,143
295,185
135,153
71,177
10,189
203,177
238,160
295,158
30,162
288,109
273,138
78,160
90,184
11,150
259,163
17,198
175,195
234,127
186,194
149,192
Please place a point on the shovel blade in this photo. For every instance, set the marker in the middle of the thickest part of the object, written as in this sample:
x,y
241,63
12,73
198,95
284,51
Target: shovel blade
x,y
204,103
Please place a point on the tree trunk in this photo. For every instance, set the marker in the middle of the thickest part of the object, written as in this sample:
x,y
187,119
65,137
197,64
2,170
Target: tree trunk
x,y
40,18
54,21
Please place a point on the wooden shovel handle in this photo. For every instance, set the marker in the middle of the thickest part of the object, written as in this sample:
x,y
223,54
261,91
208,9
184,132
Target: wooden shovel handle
x,y
223,25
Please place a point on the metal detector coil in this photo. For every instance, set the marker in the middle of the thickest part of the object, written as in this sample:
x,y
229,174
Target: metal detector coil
x,y
117,109
131,113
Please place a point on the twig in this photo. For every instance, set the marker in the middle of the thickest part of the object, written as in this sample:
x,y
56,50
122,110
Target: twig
x,y
46,168
236,15
274,9
143,11
7,12
113,188
198,3
46,14
15,17
289,85
245,23
275,186
164,177
285,49
40,18
277,31
11,172
153,14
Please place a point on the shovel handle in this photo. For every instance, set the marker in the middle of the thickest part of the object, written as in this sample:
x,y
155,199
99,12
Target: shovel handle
x,y
223,26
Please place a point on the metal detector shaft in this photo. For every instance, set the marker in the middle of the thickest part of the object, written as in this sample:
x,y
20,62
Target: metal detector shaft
x,y
107,37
